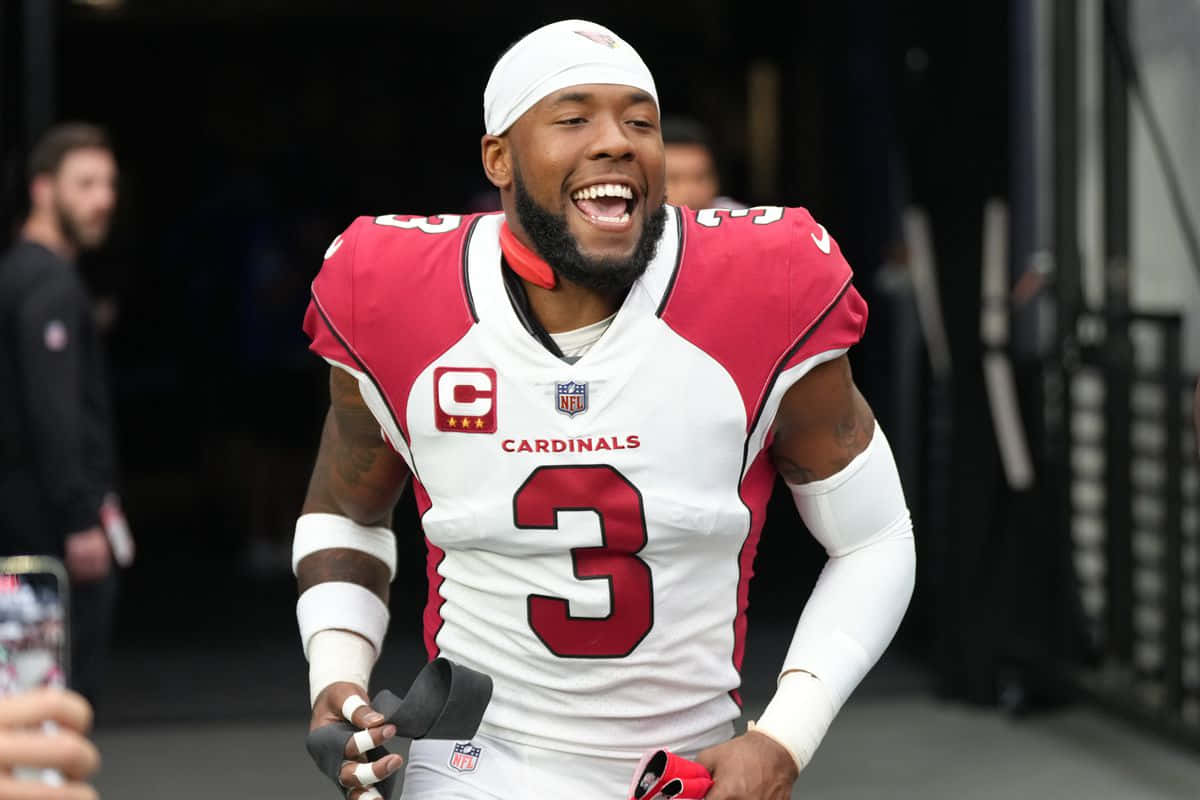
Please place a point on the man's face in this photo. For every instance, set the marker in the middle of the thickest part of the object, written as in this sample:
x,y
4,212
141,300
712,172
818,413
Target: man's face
x,y
691,176
591,156
85,195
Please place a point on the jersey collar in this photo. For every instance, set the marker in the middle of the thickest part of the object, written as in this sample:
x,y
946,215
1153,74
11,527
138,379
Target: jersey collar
x,y
526,263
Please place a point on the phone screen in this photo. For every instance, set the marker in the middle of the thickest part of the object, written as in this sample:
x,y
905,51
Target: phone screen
x,y
34,629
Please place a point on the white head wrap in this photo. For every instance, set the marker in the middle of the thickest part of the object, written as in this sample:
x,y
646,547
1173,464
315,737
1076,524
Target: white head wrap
x,y
558,55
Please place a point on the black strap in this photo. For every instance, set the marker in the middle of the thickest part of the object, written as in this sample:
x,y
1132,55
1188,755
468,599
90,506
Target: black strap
x,y
445,701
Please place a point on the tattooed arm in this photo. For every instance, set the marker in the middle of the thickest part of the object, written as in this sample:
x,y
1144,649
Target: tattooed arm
x,y
359,476
822,424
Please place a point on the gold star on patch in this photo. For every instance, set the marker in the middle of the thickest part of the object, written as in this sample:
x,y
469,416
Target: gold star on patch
x,y
479,422
453,422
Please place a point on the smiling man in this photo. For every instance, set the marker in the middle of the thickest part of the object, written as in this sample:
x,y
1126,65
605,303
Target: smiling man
x,y
592,393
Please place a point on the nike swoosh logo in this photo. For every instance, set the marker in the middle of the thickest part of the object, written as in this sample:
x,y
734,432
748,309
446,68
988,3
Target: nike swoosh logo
x,y
333,248
822,243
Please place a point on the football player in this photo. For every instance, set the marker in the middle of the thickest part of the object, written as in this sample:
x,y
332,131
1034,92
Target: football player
x,y
592,392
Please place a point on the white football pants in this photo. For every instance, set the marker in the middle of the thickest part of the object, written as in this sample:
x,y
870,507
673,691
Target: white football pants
x,y
504,770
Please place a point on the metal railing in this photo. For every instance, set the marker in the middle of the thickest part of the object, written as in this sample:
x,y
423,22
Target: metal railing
x,y
1134,513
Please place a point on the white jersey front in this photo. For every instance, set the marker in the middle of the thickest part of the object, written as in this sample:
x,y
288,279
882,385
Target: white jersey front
x,y
591,526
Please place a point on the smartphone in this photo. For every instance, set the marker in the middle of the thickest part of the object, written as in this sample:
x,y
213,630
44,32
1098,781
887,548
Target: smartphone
x,y
35,633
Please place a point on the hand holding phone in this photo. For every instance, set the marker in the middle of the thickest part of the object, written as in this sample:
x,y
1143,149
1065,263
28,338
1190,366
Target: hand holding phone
x,y
43,729
43,749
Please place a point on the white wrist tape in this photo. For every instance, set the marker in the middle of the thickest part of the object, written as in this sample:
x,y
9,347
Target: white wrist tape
x,y
860,517
315,532
342,606
337,656
798,716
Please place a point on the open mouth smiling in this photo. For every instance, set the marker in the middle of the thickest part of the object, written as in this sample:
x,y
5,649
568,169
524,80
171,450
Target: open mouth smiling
x,y
607,204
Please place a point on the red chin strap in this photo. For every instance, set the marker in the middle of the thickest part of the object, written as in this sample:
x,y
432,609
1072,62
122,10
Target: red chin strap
x,y
526,263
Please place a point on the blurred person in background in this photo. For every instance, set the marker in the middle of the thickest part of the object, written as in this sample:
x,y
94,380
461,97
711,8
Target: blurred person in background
x,y
28,743
693,179
57,459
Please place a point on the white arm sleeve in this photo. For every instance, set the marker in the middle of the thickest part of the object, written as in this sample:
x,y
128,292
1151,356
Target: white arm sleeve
x,y
860,517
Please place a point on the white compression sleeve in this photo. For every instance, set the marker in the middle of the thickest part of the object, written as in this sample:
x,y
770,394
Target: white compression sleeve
x,y
853,613
860,517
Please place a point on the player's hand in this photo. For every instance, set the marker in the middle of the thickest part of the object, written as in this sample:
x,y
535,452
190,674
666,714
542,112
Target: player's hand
x,y
357,772
88,556
25,743
749,767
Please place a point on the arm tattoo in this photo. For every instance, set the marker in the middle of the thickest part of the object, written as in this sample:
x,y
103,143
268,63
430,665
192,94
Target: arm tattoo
x,y
357,476
353,463
822,425
853,431
356,472
792,472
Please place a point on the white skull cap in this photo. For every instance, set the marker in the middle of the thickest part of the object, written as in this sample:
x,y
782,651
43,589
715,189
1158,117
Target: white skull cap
x,y
566,53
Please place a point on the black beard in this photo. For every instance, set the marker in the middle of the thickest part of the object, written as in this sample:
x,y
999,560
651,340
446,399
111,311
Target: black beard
x,y
70,231
555,244
73,232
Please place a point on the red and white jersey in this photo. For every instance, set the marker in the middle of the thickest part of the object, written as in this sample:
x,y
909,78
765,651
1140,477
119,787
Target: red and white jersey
x,y
591,526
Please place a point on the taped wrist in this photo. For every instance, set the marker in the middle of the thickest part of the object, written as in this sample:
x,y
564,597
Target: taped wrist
x,y
798,716
336,657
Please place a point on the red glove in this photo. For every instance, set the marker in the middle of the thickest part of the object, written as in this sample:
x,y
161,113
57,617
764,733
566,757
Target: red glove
x,y
662,775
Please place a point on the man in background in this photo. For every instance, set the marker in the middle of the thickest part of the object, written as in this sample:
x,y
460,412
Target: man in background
x,y
57,462
692,176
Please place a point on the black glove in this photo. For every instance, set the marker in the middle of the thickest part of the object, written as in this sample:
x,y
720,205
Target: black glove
x,y
445,701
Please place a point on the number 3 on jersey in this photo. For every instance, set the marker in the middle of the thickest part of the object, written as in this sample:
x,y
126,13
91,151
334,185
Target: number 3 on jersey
x,y
762,215
446,222
618,504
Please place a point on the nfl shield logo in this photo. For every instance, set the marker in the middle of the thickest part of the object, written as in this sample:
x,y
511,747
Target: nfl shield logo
x,y
571,397
465,757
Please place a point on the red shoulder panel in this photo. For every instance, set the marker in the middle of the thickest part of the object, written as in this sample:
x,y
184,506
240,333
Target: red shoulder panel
x,y
762,291
390,298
